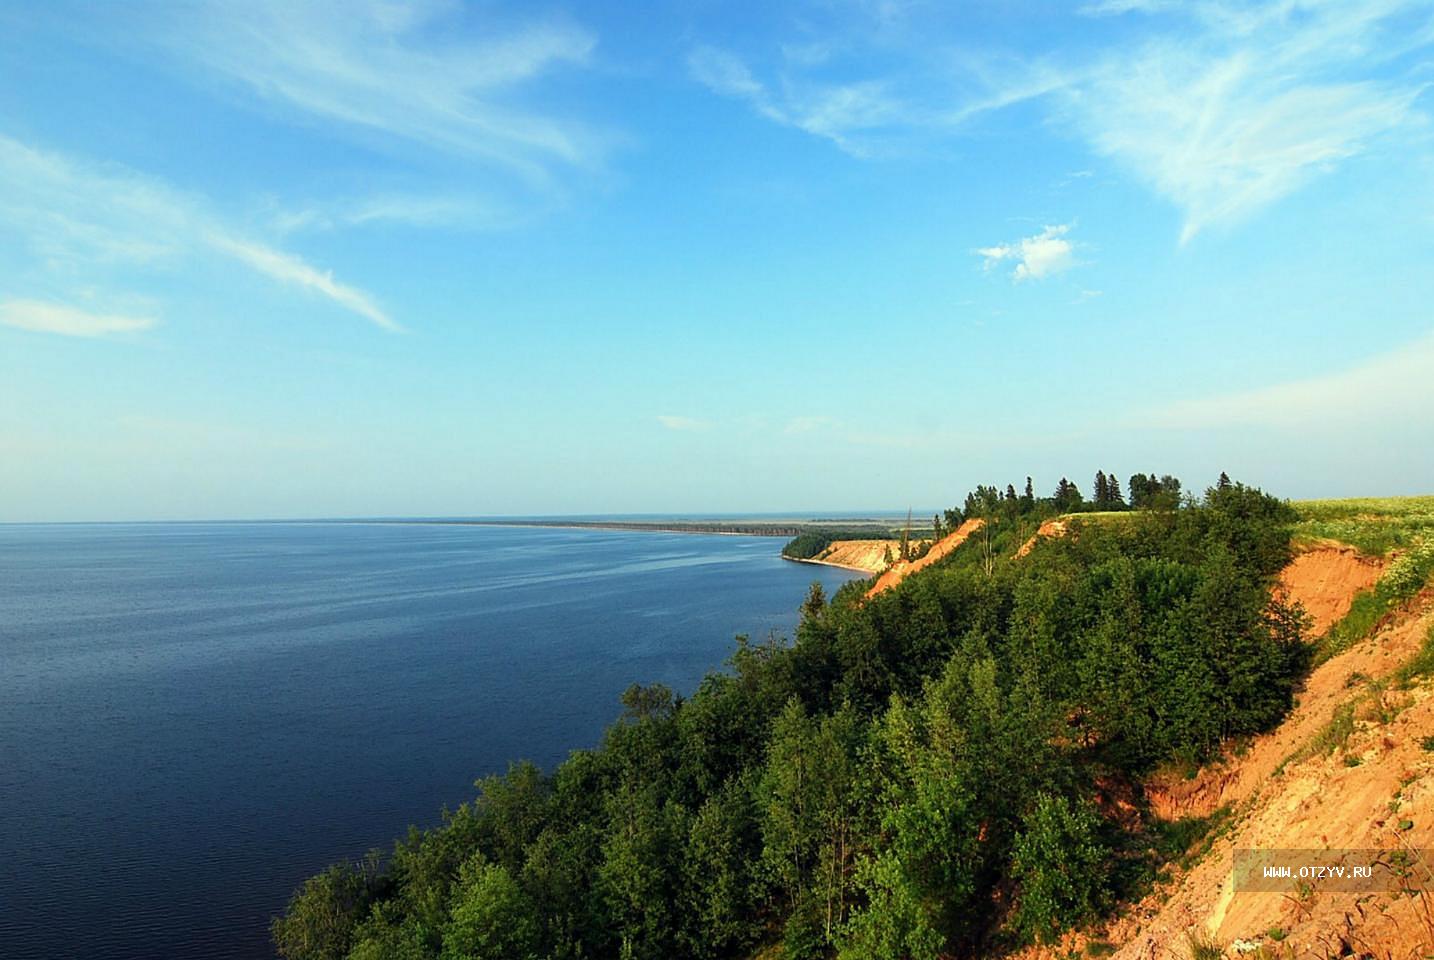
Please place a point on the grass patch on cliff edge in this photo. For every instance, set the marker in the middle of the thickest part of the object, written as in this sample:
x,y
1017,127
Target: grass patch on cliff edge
x,y
1375,526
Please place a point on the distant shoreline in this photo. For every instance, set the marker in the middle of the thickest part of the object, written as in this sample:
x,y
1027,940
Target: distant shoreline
x,y
729,528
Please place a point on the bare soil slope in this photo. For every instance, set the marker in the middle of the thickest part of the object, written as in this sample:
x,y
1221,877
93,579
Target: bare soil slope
x,y
1051,528
1326,579
1307,786
900,571
1348,769
867,555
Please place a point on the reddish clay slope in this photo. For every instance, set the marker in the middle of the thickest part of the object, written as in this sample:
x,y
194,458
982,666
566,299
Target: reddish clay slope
x,y
900,571
1326,579
1051,528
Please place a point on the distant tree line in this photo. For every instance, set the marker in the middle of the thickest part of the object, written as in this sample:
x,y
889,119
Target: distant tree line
x,y
1147,492
922,775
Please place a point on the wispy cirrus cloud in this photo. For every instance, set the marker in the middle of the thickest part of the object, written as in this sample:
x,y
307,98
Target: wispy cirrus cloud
x,y
1110,8
458,211
48,317
1222,109
394,69
1392,384
287,268
1228,119
879,113
846,114
81,220
1035,257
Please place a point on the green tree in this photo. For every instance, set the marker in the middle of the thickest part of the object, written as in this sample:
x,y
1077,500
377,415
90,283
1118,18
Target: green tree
x,y
322,915
1114,500
492,918
809,806
719,886
816,602
1067,497
1059,866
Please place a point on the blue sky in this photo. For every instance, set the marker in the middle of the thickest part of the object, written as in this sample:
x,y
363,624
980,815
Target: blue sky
x,y
272,259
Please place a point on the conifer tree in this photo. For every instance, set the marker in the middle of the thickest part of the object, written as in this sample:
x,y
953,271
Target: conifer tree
x,y
1113,497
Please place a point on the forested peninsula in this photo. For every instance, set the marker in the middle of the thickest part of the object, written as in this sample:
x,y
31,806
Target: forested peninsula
x,y
953,767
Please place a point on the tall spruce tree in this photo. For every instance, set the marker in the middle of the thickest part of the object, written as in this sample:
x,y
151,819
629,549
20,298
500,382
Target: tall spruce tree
x,y
1114,500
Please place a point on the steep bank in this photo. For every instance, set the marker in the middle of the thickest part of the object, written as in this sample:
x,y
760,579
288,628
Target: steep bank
x,y
942,547
1326,578
868,556
1350,770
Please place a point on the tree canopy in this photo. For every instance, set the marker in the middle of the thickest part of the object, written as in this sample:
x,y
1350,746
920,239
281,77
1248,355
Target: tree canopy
x,y
917,775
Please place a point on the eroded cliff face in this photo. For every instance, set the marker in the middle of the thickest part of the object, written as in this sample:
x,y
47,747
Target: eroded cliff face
x,y
900,571
871,556
1325,580
1348,769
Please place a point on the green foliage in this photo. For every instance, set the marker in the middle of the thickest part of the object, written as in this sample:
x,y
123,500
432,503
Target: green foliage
x,y
1204,947
1405,577
1058,864
320,920
1149,492
493,919
908,778
1420,665
1375,526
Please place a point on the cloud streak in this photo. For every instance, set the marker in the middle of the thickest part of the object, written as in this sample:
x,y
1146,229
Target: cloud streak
x,y
846,114
1222,109
1397,383
287,268
393,69
79,221
1229,121
45,317
672,422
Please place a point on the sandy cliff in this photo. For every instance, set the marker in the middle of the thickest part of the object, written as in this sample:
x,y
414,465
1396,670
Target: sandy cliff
x,y
1348,769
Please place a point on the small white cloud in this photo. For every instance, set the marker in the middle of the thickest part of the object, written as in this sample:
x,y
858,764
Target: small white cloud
x,y
681,423
68,321
1043,255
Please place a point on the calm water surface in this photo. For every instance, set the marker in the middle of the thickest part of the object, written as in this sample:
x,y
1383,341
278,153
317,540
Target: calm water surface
x,y
195,717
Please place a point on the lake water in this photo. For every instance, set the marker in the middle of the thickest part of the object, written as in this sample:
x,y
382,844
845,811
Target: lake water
x,y
196,717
